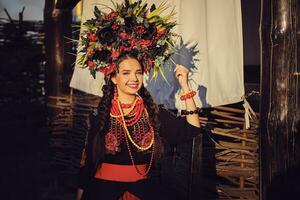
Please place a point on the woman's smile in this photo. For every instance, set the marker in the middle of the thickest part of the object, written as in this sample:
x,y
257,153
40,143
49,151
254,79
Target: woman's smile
x,y
133,85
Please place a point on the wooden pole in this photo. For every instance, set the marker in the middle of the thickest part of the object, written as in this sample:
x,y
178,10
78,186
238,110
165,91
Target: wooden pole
x,y
57,23
279,108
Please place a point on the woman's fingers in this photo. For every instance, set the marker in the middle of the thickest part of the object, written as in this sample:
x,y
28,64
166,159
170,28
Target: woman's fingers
x,y
180,71
180,67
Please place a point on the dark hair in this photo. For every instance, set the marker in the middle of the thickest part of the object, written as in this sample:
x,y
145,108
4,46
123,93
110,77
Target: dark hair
x,y
124,56
101,123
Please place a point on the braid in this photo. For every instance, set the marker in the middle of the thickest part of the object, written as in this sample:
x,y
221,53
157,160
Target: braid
x,y
151,108
104,106
101,123
153,111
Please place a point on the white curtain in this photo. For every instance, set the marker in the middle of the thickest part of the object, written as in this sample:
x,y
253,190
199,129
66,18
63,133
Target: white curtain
x,y
211,48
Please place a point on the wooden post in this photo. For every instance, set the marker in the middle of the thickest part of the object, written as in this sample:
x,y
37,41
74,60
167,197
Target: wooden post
x,y
57,19
279,110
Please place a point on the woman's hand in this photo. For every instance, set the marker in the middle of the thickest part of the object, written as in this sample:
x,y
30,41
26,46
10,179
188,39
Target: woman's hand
x,y
181,73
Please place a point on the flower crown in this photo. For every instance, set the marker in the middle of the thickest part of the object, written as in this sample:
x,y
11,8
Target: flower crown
x,y
130,28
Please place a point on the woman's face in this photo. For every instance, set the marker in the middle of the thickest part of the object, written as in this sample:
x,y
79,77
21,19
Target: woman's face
x,y
129,78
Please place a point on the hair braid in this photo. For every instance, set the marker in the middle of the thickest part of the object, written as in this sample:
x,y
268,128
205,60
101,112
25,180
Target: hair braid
x,y
153,111
101,123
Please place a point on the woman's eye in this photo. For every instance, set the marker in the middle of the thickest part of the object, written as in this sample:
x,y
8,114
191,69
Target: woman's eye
x,y
139,73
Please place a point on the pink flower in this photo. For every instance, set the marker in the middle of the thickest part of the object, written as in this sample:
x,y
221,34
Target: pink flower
x,y
133,42
123,35
115,26
111,15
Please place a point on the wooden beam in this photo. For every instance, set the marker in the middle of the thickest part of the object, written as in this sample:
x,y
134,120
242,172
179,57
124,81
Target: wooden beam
x,y
279,108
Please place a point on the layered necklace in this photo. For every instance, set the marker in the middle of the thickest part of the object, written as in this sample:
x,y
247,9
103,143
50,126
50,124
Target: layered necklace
x,y
138,118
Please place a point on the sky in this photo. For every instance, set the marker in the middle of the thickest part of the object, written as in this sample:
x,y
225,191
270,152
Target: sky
x,y
33,9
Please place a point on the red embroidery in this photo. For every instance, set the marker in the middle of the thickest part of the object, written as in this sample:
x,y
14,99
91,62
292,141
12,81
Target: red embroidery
x,y
111,143
146,140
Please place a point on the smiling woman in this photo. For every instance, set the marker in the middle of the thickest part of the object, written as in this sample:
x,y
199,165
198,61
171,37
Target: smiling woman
x,y
127,134
128,78
128,130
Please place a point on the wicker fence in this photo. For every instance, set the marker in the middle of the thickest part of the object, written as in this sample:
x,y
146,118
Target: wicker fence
x,y
230,150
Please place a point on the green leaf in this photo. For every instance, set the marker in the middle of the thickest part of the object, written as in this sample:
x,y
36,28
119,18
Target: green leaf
x,y
97,12
163,75
93,73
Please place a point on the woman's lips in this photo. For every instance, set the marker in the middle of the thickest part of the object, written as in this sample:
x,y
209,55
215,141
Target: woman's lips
x,y
133,86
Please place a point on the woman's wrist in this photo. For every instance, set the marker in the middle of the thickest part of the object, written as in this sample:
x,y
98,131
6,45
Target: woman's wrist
x,y
187,95
185,88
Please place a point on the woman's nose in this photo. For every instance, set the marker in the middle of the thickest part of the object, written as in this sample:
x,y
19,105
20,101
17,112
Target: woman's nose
x,y
134,77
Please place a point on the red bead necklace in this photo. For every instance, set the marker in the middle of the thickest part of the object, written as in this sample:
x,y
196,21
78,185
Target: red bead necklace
x,y
135,115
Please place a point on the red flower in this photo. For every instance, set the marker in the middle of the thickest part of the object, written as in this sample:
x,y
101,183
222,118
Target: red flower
x,y
161,31
109,70
115,54
111,15
149,63
115,26
133,42
146,69
123,35
91,64
139,29
145,43
92,37
111,142
123,48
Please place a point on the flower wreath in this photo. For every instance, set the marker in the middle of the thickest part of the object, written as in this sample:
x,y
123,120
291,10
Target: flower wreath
x,y
131,27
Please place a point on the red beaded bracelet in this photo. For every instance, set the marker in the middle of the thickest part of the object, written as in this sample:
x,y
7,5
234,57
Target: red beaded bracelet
x,y
188,95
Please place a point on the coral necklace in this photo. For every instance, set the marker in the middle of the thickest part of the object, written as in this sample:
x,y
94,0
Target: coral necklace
x,y
140,110
135,112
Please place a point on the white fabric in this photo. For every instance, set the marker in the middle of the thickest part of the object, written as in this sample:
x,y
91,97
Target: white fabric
x,y
212,38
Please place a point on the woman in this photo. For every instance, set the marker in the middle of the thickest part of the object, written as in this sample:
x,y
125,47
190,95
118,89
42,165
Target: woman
x,y
114,163
128,130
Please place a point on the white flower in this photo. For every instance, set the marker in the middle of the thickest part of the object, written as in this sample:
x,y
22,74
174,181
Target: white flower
x,y
140,20
120,20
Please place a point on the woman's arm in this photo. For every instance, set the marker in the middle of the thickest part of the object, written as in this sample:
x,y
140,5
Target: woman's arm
x,y
181,74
